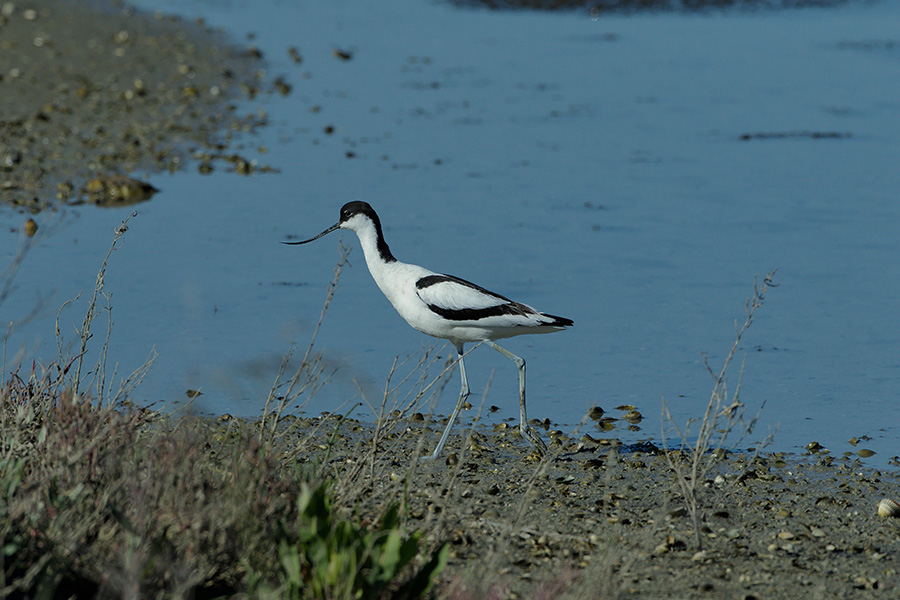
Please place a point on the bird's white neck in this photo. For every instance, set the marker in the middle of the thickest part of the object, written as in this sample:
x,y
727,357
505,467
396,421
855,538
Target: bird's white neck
x,y
376,250
383,267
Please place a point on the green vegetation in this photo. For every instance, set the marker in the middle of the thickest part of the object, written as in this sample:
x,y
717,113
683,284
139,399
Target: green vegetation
x,y
329,558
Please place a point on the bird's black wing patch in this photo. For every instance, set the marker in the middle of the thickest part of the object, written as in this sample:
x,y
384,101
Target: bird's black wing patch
x,y
475,314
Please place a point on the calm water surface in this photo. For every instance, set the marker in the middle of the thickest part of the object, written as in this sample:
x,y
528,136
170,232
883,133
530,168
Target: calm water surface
x,y
592,168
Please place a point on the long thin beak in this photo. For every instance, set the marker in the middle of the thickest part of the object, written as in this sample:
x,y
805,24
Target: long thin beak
x,y
327,231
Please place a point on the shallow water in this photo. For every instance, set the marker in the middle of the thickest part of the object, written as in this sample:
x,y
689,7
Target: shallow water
x,y
593,168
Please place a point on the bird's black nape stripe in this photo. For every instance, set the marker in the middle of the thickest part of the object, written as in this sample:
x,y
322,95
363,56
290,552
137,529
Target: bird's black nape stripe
x,y
430,280
383,250
349,210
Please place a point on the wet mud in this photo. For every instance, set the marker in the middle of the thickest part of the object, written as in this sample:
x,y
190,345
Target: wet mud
x,y
91,91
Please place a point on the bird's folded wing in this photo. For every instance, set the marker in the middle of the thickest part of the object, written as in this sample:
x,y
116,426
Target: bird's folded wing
x,y
457,299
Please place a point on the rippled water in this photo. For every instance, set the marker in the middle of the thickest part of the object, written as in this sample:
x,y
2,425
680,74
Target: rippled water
x,y
631,172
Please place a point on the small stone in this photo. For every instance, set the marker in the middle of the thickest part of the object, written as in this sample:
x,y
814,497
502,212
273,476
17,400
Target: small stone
x,y
633,416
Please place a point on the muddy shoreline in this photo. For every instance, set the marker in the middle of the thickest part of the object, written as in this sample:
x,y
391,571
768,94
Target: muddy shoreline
x,y
95,90
600,520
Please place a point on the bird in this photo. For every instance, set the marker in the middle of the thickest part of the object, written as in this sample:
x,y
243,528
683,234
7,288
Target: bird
x,y
446,307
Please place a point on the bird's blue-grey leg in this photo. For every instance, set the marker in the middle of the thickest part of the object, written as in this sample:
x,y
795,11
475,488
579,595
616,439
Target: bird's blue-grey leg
x,y
463,394
526,430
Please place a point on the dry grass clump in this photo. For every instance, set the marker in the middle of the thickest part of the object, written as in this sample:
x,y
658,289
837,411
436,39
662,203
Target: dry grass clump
x,y
121,503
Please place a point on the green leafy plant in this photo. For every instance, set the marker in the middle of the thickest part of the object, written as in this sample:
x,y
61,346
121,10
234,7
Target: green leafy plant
x,y
328,557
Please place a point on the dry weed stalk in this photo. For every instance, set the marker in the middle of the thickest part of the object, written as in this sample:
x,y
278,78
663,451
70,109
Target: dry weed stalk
x,y
99,289
7,286
393,411
723,413
8,276
308,378
104,394
392,417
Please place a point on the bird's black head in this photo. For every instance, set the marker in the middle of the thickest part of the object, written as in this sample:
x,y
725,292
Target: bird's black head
x,y
356,215
357,207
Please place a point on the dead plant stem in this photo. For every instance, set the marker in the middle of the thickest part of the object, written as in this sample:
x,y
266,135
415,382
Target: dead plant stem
x,y
85,332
